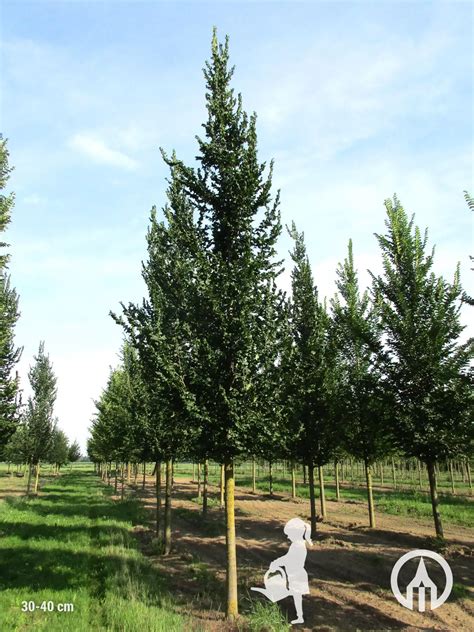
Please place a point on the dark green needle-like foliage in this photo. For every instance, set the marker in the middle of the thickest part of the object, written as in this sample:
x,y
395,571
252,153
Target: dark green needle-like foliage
x,y
239,225
9,314
311,371
74,452
59,451
364,403
428,368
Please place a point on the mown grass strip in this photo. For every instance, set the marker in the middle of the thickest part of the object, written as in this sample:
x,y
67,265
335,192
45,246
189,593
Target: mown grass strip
x,y
73,545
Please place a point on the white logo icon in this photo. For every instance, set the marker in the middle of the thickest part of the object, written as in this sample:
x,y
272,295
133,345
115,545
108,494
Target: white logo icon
x,y
421,581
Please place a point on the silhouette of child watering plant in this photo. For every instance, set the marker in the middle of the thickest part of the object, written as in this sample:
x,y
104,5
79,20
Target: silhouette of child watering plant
x,y
286,575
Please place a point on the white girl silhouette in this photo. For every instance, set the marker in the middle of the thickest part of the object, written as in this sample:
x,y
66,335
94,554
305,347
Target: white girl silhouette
x,y
296,581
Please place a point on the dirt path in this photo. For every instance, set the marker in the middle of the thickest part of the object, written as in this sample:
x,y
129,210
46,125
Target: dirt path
x,y
349,565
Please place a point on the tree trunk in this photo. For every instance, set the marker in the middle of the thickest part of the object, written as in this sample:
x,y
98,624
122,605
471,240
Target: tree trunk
x,y
204,494
135,473
231,571
293,480
420,480
167,527
122,476
321,491
222,490
115,473
451,476
434,499
370,497
254,484
194,473
144,475
270,478
304,474
468,472
394,476
28,485
336,472
312,500
37,477
199,480
381,473
158,497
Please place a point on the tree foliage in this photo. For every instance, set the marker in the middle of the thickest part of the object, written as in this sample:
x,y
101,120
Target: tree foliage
x,y
9,314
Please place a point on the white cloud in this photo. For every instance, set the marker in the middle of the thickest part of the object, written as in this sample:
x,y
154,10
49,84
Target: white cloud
x,y
96,149
32,200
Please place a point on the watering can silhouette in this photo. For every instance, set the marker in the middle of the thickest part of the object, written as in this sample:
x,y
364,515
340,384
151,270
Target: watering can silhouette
x,y
276,586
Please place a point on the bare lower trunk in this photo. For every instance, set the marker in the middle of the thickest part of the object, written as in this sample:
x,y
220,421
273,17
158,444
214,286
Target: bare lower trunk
x,y
304,474
394,476
116,481
231,570
434,499
204,490
158,497
293,480
312,500
37,477
451,475
336,474
420,480
254,484
122,474
370,498
199,480
222,490
28,485
270,478
468,472
322,492
194,473
167,527
144,476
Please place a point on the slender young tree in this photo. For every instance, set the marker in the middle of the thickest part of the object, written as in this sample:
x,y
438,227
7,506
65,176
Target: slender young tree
x,y
160,330
311,374
39,412
364,403
9,314
428,368
74,452
231,195
58,454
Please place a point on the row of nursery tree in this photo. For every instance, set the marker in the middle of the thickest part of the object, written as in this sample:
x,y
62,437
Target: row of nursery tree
x,y
219,364
28,433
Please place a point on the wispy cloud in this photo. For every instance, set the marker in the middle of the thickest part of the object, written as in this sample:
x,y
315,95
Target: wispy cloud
x,y
95,148
32,200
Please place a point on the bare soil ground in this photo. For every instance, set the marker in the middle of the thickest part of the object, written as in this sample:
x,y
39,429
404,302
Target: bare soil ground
x,y
349,564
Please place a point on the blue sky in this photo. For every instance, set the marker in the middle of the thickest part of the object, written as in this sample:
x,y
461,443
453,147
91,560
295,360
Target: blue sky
x,y
355,101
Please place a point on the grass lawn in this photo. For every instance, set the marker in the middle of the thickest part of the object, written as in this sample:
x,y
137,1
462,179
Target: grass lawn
x,y
72,545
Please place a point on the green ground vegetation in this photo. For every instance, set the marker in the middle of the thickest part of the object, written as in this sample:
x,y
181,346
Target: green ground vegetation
x,y
73,545
406,500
